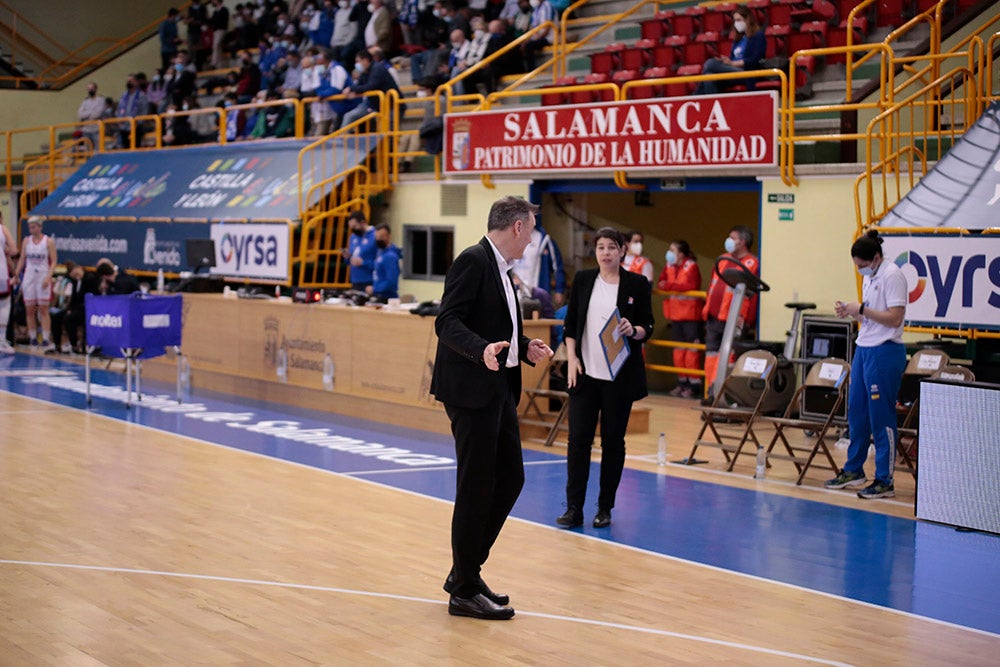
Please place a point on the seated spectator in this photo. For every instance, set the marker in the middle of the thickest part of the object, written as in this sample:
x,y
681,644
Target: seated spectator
x,y
292,77
66,309
749,46
474,52
176,129
508,63
435,32
275,121
204,126
522,20
115,280
236,119
371,76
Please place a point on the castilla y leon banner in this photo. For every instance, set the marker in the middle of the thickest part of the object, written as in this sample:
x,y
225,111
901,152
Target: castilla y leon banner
x,y
651,134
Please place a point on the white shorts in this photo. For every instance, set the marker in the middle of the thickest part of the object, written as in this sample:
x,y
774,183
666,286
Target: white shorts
x,y
33,292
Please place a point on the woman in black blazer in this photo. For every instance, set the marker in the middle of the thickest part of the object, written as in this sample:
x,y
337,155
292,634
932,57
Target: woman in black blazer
x,y
593,392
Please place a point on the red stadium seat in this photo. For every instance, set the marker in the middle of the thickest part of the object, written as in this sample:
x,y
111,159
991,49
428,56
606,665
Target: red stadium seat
x,y
676,89
759,8
711,42
777,40
815,10
809,36
639,55
652,90
669,53
889,13
779,12
608,60
558,97
719,18
590,96
682,22
838,37
626,75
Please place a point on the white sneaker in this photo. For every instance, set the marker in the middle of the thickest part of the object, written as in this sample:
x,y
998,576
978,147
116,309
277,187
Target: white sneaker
x,y
48,347
66,348
6,347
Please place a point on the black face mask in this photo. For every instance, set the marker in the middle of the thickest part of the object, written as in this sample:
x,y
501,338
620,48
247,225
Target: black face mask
x,y
357,231
381,244
91,93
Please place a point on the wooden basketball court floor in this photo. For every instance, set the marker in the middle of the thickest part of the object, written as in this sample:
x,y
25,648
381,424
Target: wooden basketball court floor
x,y
222,531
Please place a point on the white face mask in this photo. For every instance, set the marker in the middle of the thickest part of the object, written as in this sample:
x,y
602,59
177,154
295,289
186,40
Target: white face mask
x,y
740,26
344,4
479,34
421,93
534,3
671,257
635,248
866,271
730,245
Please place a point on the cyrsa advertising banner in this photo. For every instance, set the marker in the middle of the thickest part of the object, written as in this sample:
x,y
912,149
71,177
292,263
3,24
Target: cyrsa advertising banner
x,y
954,280
638,135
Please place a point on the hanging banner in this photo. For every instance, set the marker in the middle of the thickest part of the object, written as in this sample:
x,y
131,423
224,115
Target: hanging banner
x,y
954,281
679,133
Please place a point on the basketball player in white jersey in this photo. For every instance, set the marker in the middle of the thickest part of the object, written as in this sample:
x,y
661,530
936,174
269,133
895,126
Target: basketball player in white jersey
x,y
38,258
7,250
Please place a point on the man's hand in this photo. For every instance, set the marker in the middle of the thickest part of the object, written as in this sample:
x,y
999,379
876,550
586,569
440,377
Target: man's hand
x,y
538,350
357,261
491,352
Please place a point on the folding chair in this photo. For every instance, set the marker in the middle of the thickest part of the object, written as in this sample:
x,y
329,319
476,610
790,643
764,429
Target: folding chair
x,y
923,364
909,432
536,413
826,384
751,374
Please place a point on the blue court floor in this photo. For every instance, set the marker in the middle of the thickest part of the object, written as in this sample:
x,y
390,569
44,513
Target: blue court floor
x,y
911,566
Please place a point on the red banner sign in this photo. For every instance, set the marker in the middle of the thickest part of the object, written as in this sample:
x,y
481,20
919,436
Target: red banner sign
x,y
670,133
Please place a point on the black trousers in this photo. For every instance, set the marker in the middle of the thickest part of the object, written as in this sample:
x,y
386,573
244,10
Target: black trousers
x,y
592,400
489,479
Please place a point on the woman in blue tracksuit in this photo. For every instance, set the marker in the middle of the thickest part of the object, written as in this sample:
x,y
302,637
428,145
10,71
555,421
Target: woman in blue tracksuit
x,y
877,368
749,47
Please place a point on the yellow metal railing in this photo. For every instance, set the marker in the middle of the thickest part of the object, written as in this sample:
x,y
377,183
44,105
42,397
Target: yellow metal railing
x,y
57,65
671,344
44,174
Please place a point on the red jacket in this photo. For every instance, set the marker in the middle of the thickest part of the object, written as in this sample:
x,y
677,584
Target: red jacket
x,y
720,295
683,278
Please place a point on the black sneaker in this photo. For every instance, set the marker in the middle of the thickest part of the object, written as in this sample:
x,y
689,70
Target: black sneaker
x,y
846,480
571,518
877,489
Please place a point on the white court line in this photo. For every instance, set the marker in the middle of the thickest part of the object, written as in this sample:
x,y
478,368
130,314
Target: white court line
x,y
408,598
392,471
655,554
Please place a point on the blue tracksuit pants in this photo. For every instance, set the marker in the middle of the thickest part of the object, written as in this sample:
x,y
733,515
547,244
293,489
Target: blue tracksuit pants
x,y
876,373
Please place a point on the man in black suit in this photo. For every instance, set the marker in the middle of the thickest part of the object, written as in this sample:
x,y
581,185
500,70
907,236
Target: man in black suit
x,y
478,378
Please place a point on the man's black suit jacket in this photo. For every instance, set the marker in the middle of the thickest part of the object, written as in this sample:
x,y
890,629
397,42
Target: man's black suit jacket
x,y
634,304
474,314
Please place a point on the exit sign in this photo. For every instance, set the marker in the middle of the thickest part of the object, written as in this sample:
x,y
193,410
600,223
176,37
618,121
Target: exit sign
x,y
786,214
781,198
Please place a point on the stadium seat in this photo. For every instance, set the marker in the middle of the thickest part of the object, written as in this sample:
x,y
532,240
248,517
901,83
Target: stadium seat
x,y
779,12
590,96
556,98
681,22
810,35
777,40
816,10
759,9
652,29
652,90
837,36
669,53
719,18
638,56
608,60
889,13
685,88
710,40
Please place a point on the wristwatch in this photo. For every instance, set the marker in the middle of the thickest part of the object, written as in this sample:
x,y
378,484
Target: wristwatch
x,y
861,309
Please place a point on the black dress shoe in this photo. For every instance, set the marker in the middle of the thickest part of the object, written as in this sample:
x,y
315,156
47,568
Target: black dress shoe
x,y
571,518
603,519
498,598
479,606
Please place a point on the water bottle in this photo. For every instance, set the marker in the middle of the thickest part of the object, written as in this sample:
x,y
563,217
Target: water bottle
x,y
761,469
661,451
159,280
185,373
328,372
282,365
